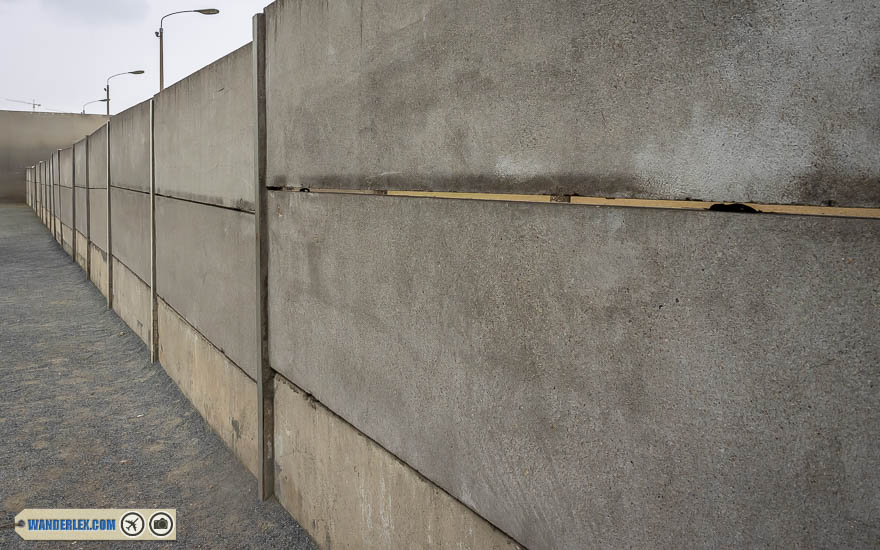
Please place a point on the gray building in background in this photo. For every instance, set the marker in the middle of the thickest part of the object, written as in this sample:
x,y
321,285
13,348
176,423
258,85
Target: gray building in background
x,y
27,137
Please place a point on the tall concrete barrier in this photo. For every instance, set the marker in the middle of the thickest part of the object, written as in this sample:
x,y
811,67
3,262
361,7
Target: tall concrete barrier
x,y
66,194
81,194
205,245
366,247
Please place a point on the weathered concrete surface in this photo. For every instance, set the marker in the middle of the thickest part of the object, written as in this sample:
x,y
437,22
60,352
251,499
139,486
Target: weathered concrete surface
x,y
65,167
131,300
349,492
203,253
130,148
98,217
670,100
81,199
27,138
98,158
131,229
628,377
82,250
66,205
205,134
222,393
99,268
81,164
67,239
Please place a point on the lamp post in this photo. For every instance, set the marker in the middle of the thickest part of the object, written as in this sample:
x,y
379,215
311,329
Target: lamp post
x,y
90,102
107,89
161,34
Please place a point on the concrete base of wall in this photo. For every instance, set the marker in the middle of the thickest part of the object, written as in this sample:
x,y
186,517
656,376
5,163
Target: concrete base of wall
x,y
82,251
222,393
131,300
348,492
99,268
67,240
57,230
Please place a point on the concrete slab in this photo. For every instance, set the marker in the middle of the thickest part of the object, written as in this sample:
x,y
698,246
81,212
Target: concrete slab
x,y
349,492
98,217
67,239
99,268
131,230
98,158
221,392
81,163
65,167
130,148
203,252
664,100
629,377
205,134
131,300
81,213
66,210
82,250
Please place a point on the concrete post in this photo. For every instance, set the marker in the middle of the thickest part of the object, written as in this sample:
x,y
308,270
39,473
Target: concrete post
x,y
109,229
266,378
154,303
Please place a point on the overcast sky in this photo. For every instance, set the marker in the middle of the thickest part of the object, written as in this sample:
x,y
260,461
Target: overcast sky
x,y
60,52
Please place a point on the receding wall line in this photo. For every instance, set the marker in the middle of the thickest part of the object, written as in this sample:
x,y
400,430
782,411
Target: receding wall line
x,y
109,229
88,214
73,201
759,208
265,374
154,305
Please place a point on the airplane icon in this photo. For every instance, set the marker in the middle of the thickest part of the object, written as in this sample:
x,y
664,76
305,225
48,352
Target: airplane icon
x,y
132,524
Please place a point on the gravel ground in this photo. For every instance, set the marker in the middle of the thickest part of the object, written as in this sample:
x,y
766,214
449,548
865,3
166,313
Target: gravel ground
x,y
87,421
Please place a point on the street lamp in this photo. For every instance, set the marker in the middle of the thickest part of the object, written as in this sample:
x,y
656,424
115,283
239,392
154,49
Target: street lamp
x,y
90,102
161,34
107,89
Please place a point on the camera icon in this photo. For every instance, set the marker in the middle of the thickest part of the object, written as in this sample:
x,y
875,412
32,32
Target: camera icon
x,y
161,524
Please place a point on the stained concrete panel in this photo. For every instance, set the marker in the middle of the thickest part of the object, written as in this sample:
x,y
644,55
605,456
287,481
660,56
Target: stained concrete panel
x,y
349,492
205,271
628,377
205,134
65,167
80,165
67,239
131,230
66,204
130,148
131,300
81,213
27,137
98,158
221,392
98,217
82,250
98,275
665,100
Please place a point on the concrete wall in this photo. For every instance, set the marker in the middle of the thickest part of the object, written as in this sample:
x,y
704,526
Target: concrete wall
x,y
130,146
667,100
131,230
28,137
201,253
636,378
81,183
205,132
476,374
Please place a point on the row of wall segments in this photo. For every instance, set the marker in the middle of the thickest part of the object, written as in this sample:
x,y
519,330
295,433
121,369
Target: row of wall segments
x,y
365,378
